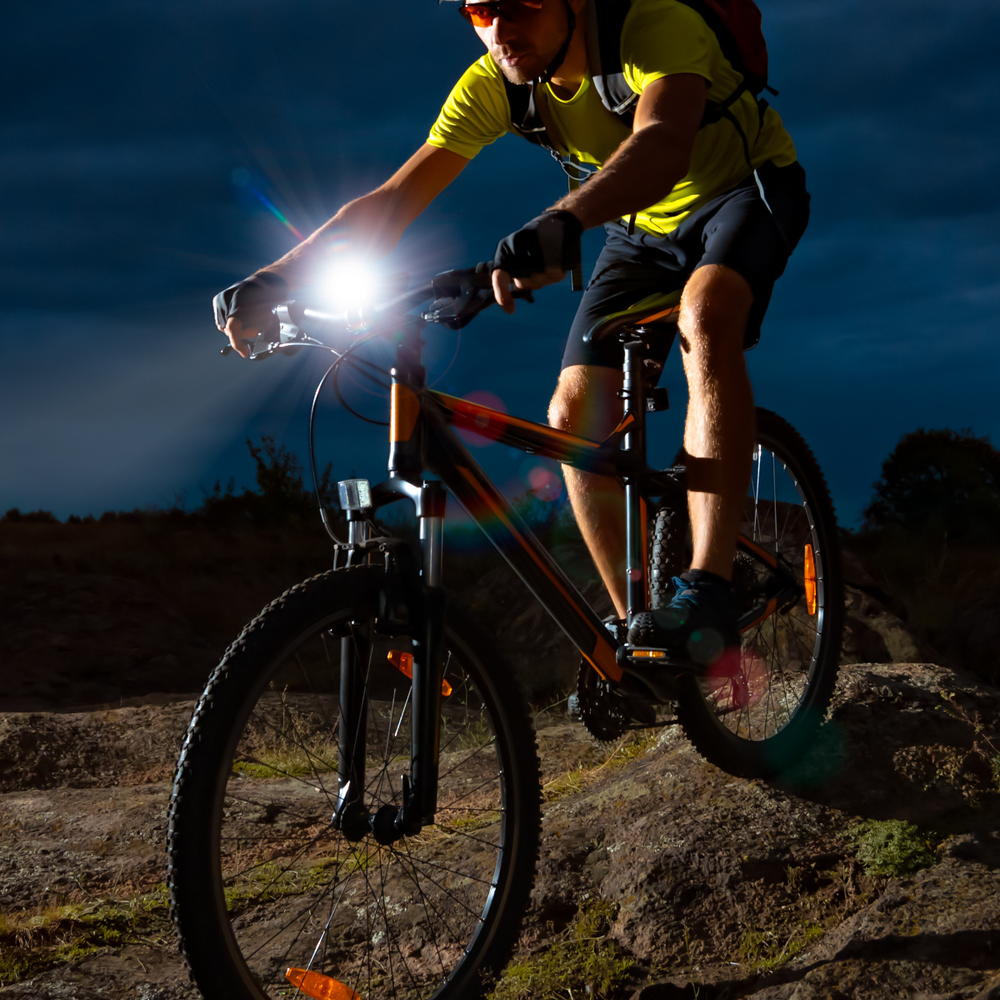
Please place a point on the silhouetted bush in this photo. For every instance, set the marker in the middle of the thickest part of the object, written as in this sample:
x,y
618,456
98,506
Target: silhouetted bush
x,y
281,498
941,483
38,516
932,536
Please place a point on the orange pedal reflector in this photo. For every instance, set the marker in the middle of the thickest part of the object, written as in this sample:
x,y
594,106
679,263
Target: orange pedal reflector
x,y
809,572
651,654
312,984
403,662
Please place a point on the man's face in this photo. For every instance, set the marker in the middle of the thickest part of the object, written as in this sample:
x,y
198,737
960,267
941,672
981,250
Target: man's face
x,y
523,37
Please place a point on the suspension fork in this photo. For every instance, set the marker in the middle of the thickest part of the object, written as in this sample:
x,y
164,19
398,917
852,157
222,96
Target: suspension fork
x,y
420,799
421,592
425,596
352,816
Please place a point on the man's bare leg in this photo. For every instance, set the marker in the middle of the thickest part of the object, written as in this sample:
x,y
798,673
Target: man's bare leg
x,y
719,431
718,434
586,403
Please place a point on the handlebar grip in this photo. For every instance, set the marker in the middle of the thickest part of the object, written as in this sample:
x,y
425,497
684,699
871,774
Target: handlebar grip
x,y
482,277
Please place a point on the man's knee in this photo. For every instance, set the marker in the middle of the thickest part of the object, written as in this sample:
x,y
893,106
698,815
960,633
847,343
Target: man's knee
x,y
715,308
585,399
562,406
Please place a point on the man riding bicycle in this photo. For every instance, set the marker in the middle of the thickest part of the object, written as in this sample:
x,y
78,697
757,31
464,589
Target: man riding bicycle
x,y
702,194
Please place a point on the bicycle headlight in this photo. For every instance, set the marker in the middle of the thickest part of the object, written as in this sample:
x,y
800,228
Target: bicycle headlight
x,y
350,285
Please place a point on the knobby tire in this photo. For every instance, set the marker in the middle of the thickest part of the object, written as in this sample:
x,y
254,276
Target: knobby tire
x,y
260,880
758,717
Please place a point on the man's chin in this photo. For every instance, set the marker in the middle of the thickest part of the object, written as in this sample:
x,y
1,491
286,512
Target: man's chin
x,y
517,77
520,74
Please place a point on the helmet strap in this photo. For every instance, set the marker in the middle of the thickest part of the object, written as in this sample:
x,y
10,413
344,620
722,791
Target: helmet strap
x,y
560,57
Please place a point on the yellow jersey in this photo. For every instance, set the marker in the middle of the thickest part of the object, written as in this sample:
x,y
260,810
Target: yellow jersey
x,y
659,38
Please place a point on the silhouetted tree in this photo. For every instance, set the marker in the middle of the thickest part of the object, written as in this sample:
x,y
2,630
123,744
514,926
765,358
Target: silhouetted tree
x,y
281,497
38,516
942,483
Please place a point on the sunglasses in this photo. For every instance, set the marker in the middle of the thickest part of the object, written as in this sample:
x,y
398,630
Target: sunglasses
x,y
482,15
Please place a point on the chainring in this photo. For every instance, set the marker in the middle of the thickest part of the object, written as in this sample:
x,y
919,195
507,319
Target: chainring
x,y
605,710
604,715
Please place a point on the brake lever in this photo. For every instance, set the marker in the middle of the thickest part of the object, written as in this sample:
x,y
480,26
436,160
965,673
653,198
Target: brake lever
x,y
228,349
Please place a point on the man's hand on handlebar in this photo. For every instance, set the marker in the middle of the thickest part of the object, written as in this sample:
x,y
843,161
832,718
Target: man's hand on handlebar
x,y
538,254
243,309
503,285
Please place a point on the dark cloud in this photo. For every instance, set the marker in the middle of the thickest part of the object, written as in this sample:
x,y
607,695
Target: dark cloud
x,y
140,131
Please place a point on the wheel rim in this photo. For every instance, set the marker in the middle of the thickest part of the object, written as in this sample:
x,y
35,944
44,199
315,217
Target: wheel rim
x,y
398,920
757,698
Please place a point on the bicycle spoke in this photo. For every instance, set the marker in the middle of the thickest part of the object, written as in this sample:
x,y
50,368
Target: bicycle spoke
x,y
756,719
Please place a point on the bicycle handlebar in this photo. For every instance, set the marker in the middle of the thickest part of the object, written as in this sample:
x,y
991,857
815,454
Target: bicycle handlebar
x,y
456,298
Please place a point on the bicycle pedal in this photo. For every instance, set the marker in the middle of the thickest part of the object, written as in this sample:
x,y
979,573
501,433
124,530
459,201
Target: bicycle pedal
x,y
655,658
652,674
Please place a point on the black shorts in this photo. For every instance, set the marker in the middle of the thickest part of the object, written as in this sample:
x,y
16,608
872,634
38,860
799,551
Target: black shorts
x,y
739,229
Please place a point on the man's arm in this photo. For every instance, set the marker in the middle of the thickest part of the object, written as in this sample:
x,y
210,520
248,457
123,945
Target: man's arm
x,y
647,165
372,223
641,172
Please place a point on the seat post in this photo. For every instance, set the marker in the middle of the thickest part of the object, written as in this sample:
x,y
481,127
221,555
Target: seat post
x,y
634,444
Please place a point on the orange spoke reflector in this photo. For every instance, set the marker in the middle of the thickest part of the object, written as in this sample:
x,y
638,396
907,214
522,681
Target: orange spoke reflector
x,y
312,984
403,662
810,579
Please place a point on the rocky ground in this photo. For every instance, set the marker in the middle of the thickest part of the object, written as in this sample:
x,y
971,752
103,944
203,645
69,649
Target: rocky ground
x,y
872,872
691,882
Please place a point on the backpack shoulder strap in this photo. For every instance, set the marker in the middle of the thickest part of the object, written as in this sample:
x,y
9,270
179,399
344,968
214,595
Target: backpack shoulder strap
x,y
524,114
605,20
604,31
532,120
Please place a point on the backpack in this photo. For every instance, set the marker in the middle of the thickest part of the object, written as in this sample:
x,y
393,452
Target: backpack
x,y
735,23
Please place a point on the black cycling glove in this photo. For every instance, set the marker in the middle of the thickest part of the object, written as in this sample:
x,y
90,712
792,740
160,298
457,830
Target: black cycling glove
x,y
251,300
549,242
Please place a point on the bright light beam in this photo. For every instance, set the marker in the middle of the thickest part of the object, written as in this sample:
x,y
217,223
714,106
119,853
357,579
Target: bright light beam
x,y
350,283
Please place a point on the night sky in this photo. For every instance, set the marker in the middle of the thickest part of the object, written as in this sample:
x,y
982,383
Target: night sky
x,y
141,143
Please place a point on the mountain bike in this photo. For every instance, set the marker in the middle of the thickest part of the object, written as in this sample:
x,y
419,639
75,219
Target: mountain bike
x,y
356,809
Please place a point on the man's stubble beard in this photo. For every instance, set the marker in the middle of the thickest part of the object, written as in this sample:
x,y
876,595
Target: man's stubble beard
x,y
515,75
516,78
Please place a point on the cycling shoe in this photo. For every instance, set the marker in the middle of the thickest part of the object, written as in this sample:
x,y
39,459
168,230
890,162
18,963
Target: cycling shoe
x,y
697,631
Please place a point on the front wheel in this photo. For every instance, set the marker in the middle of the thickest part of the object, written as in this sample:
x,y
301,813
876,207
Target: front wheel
x,y
270,899
757,717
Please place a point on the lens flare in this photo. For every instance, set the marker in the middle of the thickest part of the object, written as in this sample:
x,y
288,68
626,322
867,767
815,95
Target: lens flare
x,y
543,477
275,211
485,434
546,483
242,178
735,682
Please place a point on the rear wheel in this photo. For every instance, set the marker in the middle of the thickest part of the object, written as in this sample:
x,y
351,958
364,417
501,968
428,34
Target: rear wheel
x,y
263,883
757,717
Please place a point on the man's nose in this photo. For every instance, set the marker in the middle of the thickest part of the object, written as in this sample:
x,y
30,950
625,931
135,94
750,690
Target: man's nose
x,y
503,29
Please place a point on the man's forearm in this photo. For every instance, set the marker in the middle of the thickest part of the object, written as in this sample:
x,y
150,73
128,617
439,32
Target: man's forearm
x,y
642,171
371,224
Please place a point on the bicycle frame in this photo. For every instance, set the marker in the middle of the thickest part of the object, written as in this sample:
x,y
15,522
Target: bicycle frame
x,y
422,440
